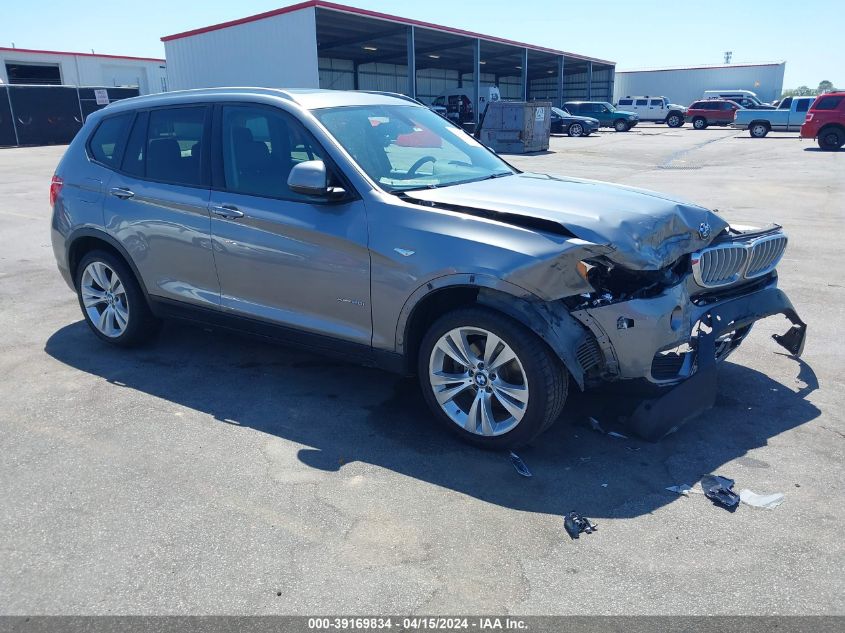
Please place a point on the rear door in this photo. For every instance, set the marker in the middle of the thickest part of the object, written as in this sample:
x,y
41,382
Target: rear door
x,y
798,112
157,204
656,110
641,108
283,257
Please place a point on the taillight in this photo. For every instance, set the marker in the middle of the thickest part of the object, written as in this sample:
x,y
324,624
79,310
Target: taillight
x,y
55,188
809,116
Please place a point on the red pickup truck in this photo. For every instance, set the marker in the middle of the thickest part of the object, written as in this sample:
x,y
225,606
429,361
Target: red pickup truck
x,y
826,121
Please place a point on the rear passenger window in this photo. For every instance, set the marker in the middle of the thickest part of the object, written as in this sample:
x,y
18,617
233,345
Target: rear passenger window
x,y
174,145
107,143
627,102
260,147
642,102
828,103
803,105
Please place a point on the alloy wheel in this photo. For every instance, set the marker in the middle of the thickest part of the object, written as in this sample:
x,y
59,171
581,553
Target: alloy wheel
x,y
575,129
478,381
104,299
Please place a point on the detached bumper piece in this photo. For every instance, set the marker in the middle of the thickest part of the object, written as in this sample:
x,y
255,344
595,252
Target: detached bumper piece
x,y
656,418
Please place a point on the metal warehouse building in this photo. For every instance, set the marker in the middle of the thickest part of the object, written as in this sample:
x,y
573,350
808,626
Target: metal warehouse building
x,y
685,85
56,68
319,44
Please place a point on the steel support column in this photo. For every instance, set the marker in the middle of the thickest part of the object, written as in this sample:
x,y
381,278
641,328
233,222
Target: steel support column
x,y
476,77
560,81
412,64
525,74
589,81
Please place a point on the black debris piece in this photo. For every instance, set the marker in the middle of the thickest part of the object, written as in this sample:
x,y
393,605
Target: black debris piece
x,y
574,524
519,465
719,491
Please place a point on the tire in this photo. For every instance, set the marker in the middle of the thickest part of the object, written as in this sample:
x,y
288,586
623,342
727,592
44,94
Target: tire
x,y
575,130
116,311
534,373
758,130
699,123
831,139
674,119
621,125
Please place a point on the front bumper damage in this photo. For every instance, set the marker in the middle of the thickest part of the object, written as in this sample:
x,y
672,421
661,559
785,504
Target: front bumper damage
x,y
633,333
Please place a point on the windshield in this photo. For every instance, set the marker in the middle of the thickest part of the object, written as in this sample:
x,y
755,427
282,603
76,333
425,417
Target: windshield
x,y
408,147
610,107
559,112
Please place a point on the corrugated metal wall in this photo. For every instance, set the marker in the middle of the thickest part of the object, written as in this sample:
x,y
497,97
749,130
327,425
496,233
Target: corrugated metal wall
x,y
277,52
686,85
87,70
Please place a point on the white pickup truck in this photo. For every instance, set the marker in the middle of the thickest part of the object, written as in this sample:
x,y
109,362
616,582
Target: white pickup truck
x,y
788,117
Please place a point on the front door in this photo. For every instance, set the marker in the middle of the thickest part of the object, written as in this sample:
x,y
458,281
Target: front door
x,y
283,257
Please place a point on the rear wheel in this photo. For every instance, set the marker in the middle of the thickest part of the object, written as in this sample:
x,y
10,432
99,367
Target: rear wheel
x,y
758,130
699,123
576,129
621,125
112,301
489,379
831,139
674,120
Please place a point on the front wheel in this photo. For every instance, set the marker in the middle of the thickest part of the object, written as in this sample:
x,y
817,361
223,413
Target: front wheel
x,y
621,125
112,301
576,129
699,123
675,120
831,139
489,379
758,130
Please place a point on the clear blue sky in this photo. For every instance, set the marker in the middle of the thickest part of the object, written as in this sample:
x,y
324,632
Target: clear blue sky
x,y
633,33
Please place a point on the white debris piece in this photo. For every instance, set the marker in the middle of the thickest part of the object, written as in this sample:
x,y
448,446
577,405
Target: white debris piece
x,y
770,502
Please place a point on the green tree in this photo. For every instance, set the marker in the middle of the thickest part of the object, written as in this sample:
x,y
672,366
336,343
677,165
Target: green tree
x,y
826,86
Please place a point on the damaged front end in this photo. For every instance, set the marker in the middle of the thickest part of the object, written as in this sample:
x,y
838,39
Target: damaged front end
x,y
671,326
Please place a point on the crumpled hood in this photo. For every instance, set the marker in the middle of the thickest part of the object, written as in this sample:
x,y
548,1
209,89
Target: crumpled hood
x,y
646,230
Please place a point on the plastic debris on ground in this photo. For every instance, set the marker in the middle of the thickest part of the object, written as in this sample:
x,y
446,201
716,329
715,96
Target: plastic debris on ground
x,y
770,502
595,425
719,490
574,524
519,465
619,435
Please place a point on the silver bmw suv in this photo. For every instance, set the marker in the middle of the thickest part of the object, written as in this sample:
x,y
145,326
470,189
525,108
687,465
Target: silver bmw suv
x,y
365,225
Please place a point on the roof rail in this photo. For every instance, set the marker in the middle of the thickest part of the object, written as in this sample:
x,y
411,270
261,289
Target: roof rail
x,y
396,95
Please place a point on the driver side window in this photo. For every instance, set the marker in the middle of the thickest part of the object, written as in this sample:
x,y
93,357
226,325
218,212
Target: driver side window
x,y
260,147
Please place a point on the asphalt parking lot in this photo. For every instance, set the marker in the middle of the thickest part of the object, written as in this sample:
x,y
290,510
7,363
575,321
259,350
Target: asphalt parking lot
x,y
211,473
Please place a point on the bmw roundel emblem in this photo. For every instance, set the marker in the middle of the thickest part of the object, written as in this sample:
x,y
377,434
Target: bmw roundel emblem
x,y
704,230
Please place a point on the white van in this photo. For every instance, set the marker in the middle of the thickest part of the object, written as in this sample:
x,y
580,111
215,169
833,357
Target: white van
x,y
457,106
745,98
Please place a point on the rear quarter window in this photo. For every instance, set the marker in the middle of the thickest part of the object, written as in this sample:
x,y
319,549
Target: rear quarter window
x,y
108,141
828,103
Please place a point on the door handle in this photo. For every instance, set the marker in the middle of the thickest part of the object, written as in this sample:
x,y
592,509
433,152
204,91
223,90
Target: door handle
x,y
228,211
122,192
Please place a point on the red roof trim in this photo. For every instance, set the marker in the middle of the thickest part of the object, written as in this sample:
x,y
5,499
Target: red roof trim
x,y
663,70
323,4
43,52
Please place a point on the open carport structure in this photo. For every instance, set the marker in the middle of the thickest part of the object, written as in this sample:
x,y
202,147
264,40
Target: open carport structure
x,y
319,44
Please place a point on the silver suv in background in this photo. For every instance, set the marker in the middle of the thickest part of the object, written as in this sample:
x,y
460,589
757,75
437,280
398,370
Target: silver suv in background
x,y
367,226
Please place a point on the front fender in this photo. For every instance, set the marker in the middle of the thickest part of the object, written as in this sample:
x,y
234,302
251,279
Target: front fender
x,y
550,320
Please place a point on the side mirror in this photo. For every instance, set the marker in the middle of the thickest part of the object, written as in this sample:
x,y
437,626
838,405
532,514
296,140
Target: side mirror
x,y
310,178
